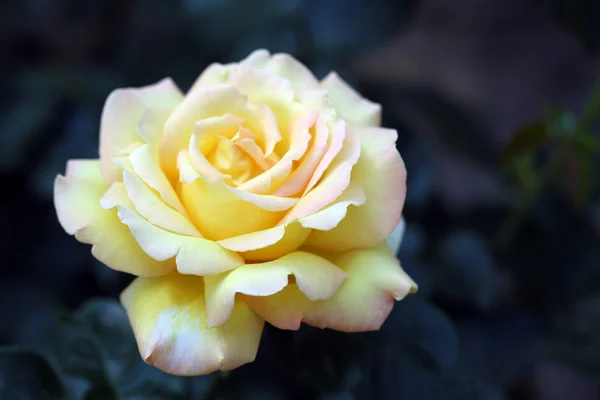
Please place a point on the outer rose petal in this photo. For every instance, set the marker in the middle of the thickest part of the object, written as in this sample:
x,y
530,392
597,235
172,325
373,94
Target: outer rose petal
x,y
362,303
282,65
316,277
193,255
77,201
168,317
122,111
381,173
349,104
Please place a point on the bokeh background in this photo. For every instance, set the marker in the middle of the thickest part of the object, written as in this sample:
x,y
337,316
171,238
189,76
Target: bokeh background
x,y
495,102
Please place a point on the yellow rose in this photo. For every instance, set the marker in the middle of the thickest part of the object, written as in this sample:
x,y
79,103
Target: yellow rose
x,y
260,195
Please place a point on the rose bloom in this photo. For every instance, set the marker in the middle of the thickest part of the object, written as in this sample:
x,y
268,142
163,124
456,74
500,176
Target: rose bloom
x,y
262,194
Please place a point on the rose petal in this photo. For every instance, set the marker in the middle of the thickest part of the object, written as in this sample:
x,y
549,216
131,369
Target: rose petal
x,y
203,103
221,212
268,244
193,255
151,207
168,316
145,165
275,242
362,302
316,277
282,65
336,141
205,138
299,139
381,173
329,217
77,201
122,111
332,185
214,74
349,104
298,180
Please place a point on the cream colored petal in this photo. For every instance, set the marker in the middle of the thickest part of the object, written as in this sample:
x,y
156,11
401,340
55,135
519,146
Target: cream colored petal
x,y
151,207
221,212
77,201
299,139
329,217
204,139
268,244
214,74
168,317
298,180
193,255
282,65
381,173
145,165
362,303
349,104
335,180
317,278
256,60
336,140
210,101
394,240
122,112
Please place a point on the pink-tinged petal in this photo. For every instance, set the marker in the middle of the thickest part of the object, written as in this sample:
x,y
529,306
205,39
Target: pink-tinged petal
x,y
168,317
316,277
381,173
268,244
151,207
349,104
394,240
203,103
120,116
77,201
362,302
221,212
299,139
298,180
193,255
336,139
329,217
335,180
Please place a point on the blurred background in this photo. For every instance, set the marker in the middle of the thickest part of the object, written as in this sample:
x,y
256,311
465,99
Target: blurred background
x,y
496,104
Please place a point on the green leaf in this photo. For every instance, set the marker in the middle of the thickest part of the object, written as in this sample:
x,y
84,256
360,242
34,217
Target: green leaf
x,y
592,109
526,173
560,122
526,139
586,141
25,375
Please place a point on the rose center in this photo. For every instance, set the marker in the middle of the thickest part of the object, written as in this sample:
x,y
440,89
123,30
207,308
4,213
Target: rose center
x,y
239,156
